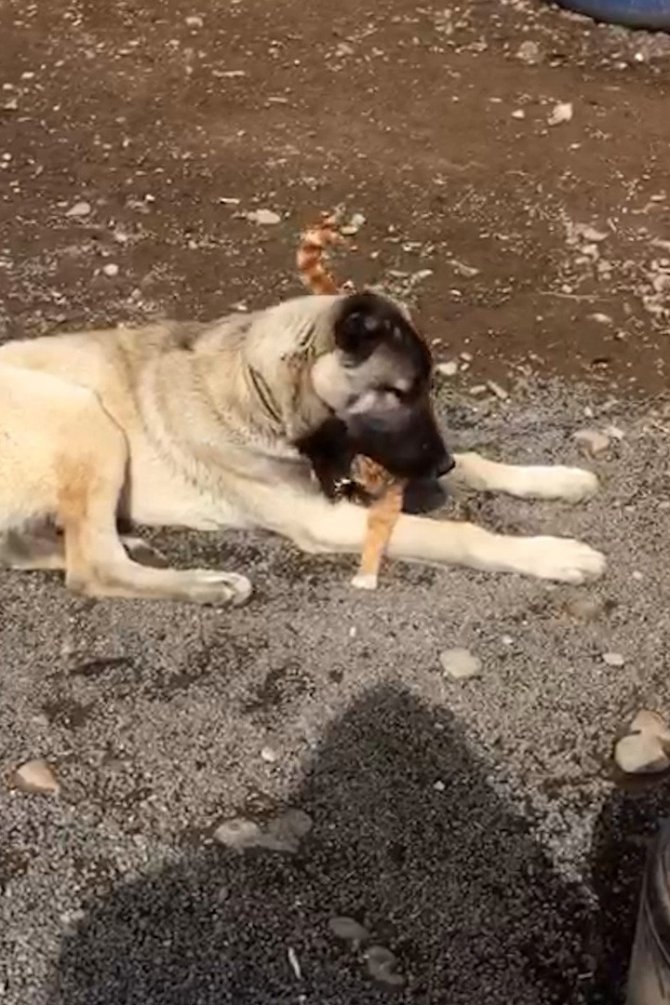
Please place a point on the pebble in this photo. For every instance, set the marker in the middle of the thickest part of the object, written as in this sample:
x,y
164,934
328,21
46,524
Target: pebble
x,y
238,833
194,21
644,749
283,833
111,269
79,209
349,929
529,53
613,659
382,963
585,608
269,755
593,441
353,226
264,217
36,776
448,369
518,113
562,112
496,389
478,389
601,319
641,754
460,663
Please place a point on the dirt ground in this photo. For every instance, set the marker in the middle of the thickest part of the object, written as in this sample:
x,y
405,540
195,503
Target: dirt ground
x,y
473,829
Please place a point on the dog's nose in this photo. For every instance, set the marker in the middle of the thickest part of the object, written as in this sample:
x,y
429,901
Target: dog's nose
x,y
445,466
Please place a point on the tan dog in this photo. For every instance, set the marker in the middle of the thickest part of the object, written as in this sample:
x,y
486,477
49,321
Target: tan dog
x,y
196,425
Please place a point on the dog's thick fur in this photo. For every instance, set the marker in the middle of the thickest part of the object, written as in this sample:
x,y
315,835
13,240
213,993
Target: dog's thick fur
x,y
195,425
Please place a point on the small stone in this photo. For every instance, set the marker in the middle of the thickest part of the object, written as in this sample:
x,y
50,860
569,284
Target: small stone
x,y
269,755
562,113
529,53
477,390
36,776
460,663
518,113
348,929
593,441
448,369
613,659
496,389
439,786
264,217
382,963
637,575
353,226
194,21
79,209
647,721
592,235
238,833
110,270
601,319
286,831
585,608
294,962
641,754
615,433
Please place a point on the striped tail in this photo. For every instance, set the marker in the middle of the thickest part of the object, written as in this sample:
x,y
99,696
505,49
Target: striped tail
x,y
311,256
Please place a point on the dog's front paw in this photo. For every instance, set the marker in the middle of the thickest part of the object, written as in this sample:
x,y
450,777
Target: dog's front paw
x,y
572,484
563,560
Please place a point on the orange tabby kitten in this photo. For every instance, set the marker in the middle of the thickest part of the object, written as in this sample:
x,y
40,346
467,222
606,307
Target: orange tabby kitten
x,y
384,492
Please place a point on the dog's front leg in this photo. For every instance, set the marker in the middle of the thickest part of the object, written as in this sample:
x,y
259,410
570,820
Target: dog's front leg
x,y
525,481
320,526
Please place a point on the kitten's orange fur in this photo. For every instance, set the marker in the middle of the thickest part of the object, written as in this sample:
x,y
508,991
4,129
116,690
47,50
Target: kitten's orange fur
x,y
385,490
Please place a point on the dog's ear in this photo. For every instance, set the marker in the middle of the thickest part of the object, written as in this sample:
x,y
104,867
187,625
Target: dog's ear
x,y
362,323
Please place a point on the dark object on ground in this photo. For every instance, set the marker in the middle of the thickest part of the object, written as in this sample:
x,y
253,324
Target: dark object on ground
x,y
651,14
649,978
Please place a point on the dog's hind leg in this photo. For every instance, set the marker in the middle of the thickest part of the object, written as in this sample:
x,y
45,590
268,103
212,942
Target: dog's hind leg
x,y
525,481
43,548
341,528
63,458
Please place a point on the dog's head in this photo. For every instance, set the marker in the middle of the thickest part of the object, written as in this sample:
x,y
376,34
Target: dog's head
x,y
377,382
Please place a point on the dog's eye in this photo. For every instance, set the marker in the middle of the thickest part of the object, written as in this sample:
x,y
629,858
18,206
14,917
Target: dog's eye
x,y
397,392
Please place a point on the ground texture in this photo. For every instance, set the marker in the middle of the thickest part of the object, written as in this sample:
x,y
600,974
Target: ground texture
x,y
472,827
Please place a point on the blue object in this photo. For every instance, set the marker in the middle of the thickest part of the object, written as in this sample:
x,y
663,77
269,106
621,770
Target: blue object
x,y
651,14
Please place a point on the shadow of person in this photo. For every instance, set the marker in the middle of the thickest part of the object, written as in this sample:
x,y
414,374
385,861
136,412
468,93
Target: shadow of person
x,y
409,837
622,836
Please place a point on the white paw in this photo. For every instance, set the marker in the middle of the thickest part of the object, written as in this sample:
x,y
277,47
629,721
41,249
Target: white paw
x,y
217,588
561,559
572,484
557,482
365,581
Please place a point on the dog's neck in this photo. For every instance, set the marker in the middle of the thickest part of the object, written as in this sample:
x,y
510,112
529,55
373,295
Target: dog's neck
x,y
250,381
271,354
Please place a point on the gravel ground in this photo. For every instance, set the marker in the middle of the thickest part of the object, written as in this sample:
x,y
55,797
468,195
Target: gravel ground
x,y
471,826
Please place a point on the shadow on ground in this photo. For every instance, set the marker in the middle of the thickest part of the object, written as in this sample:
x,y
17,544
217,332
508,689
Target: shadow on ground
x,y
450,879
622,837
